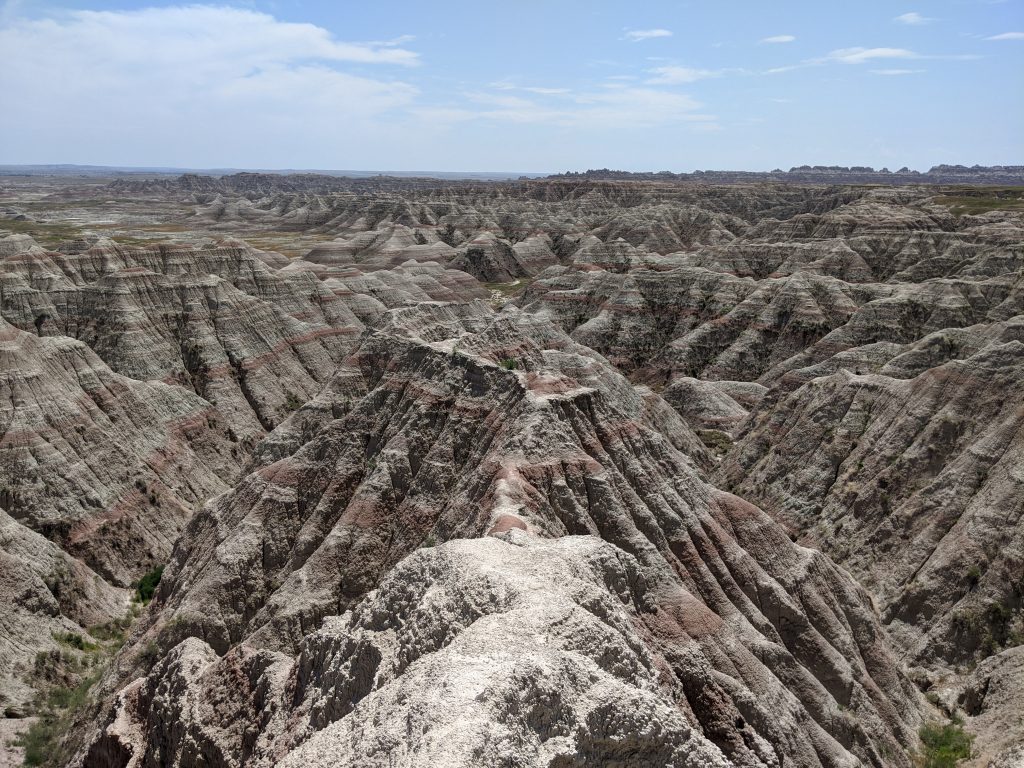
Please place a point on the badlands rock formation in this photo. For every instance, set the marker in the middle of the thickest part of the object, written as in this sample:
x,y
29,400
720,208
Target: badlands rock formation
x,y
707,475
677,623
134,384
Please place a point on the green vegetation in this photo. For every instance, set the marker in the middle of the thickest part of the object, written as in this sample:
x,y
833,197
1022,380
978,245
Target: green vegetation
x,y
56,710
146,587
44,233
996,626
74,640
65,677
292,402
116,630
509,364
58,580
719,442
944,745
502,293
973,576
974,201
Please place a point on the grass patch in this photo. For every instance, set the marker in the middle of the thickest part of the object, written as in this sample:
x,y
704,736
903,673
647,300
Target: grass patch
x,y
944,745
74,640
42,741
502,293
973,201
45,234
716,440
146,587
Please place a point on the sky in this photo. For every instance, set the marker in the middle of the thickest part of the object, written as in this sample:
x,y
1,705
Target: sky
x,y
513,85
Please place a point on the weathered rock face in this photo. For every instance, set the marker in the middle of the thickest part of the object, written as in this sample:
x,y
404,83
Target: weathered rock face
x,y
185,357
706,630
106,468
102,464
44,592
251,340
879,342
910,477
991,698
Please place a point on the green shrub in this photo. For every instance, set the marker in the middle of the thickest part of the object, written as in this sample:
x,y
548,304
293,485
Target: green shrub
x,y
718,441
41,740
114,630
147,584
973,576
509,364
74,640
944,745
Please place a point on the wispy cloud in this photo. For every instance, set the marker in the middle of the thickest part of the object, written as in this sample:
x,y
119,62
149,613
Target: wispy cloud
x,y
617,105
672,75
778,39
639,35
1007,36
506,85
913,19
861,55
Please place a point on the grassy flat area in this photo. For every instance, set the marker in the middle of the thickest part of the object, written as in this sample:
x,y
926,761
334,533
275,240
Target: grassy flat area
x,y
44,233
976,200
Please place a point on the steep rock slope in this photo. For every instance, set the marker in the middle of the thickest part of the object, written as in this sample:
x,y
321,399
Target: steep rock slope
x,y
185,357
250,339
910,476
449,423
107,469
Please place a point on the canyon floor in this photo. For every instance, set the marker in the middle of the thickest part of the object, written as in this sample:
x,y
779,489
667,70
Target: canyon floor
x,y
303,470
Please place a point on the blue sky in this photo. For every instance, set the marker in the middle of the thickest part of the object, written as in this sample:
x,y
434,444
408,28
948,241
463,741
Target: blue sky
x,y
523,85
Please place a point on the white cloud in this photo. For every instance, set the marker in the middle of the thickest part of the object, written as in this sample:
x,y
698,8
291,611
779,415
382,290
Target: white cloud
x,y
893,72
506,85
861,55
638,35
616,106
913,19
778,39
672,75
637,106
1007,36
138,82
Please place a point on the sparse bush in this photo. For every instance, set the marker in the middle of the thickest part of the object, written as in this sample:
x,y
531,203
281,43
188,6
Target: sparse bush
x,y
944,745
147,585
150,654
114,630
40,740
973,576
74,640
292,402
509,364
719,442
58,580
56,710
